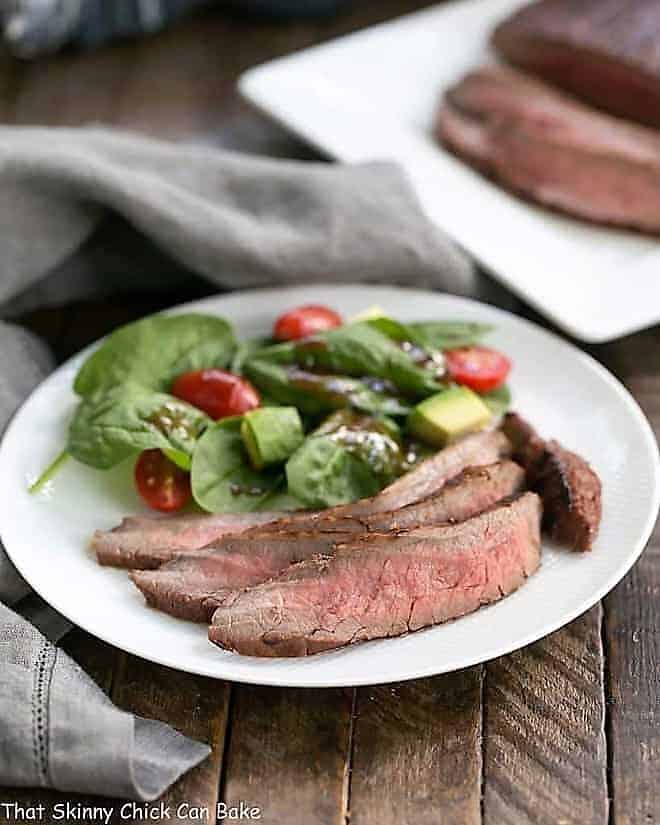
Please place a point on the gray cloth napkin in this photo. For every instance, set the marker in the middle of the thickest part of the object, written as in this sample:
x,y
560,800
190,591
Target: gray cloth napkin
x,y
238,221
57,728
60,730
25,362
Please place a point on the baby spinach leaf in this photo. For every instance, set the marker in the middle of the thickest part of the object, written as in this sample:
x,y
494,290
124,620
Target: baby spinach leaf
x,y
154,351
315,394
108,427
376,440
444,335
498,401
395,330
322,473
244,350
221,476
281,499
354,350
349,456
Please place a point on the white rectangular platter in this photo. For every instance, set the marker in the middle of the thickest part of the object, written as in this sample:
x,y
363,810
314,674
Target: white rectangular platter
x,y
373,95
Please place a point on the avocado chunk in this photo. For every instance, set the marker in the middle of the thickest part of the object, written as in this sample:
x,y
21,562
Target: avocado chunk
x,y
448,415
368,314
271,434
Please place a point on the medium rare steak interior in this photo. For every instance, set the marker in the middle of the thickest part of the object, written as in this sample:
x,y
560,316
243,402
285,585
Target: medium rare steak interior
x,y
389,586
182,586
568,486
604,51
190,587
550,148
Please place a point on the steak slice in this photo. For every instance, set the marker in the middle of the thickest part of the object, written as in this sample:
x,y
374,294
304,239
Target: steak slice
x,y
553,150
390,586
606,52
184,585
568,486
191,587
147,542
422,482
469,493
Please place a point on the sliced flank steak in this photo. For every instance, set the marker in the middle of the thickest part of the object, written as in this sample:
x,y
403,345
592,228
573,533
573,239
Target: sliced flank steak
x,y
541,144
190,587
389,586
568,486
606,52
147,543
469,493
183,586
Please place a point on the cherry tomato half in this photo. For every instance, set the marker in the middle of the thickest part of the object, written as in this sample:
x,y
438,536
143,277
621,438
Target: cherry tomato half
x,y
304,321
162,484
218,393
479,368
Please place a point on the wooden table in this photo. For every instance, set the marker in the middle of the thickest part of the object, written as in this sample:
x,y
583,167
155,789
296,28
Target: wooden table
x,y
564,732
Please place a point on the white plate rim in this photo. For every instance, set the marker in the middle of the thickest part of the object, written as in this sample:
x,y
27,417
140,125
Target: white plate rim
x,y
457,662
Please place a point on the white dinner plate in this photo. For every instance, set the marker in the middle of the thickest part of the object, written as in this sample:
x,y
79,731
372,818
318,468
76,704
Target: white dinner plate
x,y
565,394
373,95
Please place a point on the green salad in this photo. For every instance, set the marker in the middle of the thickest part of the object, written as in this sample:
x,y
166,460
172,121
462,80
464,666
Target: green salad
x,y
323,412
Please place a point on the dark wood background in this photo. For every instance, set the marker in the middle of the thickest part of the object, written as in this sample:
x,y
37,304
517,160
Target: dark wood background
x,y
564,732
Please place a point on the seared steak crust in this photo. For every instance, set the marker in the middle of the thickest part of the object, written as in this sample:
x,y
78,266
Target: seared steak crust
x,y
553,150
386,586
191,587
148,541
606,52
469,493
568,486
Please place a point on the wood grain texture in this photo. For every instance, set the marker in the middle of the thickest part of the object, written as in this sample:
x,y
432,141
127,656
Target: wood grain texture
x,y
193,705
633,651
180,83
632,626
545,755
417,753
288,753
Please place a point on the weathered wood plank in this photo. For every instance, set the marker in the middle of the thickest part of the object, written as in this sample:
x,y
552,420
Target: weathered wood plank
x,y
545,755
632,638
195,706
70,89
417,753
11,73
633,655
288,754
